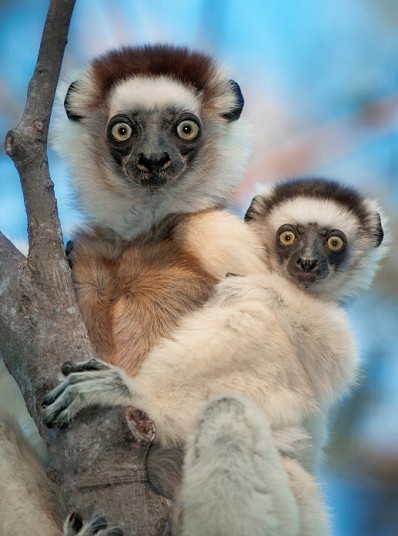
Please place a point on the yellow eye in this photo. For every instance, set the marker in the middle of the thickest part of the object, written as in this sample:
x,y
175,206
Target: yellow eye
x,y
286,238
335,243
121,131
187,130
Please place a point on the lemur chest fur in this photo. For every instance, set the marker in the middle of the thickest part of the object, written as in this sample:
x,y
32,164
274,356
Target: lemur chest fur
x,y
132,293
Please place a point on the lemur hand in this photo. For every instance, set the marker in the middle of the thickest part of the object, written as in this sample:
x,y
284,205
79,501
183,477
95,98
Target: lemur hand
x,y
88,383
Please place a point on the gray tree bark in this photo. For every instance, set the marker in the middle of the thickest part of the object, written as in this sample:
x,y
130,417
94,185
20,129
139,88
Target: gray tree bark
x,y
98,463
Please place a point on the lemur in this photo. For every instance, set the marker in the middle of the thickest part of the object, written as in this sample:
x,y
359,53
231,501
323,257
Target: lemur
x,y
156,144
278,342
153,137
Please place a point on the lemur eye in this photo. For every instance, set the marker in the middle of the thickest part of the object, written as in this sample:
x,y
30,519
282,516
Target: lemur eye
x,y
335,243
187,130
286,238
121,132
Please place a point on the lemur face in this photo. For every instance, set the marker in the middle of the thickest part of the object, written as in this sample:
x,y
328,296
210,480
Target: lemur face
x,y
322,236
153,148
153,138
309,252
155,111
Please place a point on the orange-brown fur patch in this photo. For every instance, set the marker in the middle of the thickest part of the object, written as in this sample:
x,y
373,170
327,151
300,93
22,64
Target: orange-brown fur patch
x,y
133,293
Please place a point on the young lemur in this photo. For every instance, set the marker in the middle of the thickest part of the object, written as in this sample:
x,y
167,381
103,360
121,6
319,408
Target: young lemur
x,y
279,338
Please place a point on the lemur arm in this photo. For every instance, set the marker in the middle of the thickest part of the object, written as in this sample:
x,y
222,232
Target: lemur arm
x,y
178,376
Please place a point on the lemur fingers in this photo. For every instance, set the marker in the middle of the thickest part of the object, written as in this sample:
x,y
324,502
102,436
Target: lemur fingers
x,y
89,383
90,364
74,526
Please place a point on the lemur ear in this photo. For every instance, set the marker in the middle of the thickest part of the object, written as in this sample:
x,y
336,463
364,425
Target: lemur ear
x,y
379,233
234,114
72,115
255,209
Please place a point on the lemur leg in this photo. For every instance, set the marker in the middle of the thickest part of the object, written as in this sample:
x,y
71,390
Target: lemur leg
x,y
314,519
27,497
180,374
170,385
234,483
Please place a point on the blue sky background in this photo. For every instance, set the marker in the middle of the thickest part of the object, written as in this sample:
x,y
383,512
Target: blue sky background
x,y
321,86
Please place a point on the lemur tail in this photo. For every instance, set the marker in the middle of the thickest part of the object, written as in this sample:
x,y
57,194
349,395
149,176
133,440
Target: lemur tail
x,y
234,483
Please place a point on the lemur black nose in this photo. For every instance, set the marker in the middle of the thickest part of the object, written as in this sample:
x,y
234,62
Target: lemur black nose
x,y
154,163
308,265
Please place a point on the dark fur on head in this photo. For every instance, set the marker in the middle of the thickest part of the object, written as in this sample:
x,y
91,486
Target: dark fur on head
x,y
317,188
193,69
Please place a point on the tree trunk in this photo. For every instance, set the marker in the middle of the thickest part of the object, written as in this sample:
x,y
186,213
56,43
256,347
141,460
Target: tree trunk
x,y
98,464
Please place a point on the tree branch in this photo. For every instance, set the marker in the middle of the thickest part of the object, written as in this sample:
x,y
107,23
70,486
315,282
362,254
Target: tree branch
x,y
27,143
98,464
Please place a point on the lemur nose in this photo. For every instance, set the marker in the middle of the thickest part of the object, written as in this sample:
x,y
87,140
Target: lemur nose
x,y
308,265
154,163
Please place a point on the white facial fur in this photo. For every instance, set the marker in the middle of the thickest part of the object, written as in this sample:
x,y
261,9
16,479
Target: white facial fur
x,y
325,213
145,92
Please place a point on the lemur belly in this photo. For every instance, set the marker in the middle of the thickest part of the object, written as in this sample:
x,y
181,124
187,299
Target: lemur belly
x,y
133,293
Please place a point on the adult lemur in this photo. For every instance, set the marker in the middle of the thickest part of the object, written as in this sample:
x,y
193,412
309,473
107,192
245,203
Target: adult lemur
x,y
154,139
278,338
156,147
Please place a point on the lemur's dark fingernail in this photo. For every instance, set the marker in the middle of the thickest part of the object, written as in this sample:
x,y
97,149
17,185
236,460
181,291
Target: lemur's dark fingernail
x,y
66,368
76,521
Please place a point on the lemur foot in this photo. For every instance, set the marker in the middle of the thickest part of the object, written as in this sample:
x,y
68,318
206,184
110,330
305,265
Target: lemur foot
x,y
74,526
88,383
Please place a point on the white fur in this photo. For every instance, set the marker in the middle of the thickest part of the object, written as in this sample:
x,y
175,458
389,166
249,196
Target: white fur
x,y
260,336
24,495
29,505
214,236
244,475
149,93
326,213
245,487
